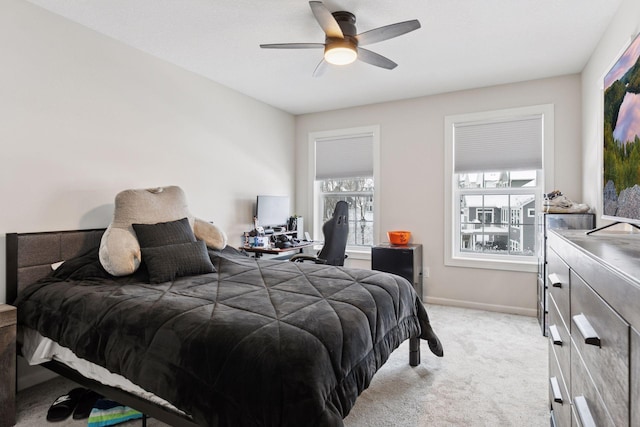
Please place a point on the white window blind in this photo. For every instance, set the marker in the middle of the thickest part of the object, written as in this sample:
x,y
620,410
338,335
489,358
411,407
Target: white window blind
x,y
344,157
514,144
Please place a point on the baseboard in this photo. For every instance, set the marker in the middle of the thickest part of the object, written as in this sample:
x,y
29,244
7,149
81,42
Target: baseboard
x,y
531,312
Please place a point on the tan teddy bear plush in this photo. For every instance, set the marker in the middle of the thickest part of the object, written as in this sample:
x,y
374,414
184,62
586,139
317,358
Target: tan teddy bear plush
x,y
120,252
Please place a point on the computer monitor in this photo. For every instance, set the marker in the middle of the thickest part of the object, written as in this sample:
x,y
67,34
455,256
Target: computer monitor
x,y
272,211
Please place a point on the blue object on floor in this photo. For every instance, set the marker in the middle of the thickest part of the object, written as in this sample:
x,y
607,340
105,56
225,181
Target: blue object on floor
x,y
107,413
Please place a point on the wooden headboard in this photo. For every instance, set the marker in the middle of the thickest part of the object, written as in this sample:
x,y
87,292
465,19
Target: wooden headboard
x,y
30,255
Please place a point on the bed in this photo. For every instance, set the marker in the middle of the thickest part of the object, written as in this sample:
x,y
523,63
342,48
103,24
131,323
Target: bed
x,y
255,343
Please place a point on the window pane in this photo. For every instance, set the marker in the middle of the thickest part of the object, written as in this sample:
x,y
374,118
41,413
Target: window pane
x,y
347,185
522,179
522,231
358,193
470,180
498,179
522,240
467,225
499,224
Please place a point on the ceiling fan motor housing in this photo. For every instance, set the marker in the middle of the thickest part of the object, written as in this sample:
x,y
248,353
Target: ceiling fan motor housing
x,y
347,23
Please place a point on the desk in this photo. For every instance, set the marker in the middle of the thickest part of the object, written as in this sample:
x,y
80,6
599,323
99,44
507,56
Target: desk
x,y
259,251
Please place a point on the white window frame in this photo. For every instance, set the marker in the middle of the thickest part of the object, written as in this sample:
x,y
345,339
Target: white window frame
x,y
453,256
314,192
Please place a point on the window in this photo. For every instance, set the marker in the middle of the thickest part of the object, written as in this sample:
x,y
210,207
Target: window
x,y
495,164
492,220
358,193
343,167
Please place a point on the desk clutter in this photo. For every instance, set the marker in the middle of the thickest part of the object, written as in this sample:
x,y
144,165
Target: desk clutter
x,y
288,235
280,241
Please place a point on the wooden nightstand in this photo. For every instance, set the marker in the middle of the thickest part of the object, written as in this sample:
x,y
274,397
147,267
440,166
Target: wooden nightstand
x,y
7,365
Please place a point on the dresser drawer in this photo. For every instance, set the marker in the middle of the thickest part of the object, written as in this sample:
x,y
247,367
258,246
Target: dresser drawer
x,y
558,284
588,407
558,392
543,317
559,339
601,338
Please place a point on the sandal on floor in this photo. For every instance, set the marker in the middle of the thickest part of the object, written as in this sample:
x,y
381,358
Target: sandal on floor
x,y
85,405
64,405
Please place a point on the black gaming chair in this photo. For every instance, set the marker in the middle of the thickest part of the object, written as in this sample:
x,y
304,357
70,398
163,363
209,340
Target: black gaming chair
x,y
335,232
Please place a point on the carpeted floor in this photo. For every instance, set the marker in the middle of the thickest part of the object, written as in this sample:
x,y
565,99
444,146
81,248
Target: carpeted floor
x,y
494,372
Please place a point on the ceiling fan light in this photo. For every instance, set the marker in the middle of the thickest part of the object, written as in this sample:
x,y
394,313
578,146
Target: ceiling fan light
x,y
341,54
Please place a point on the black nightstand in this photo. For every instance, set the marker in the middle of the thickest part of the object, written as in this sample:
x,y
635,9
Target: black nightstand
x,y
7,365
405,261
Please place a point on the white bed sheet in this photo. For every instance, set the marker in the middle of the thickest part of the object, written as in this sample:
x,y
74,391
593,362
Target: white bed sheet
x,y
38,349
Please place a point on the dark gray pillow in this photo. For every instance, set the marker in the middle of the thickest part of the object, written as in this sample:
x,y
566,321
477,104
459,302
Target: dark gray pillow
x,y
165,263
164,233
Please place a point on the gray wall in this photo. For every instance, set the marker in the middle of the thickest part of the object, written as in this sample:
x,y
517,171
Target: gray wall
x,y
411,187
83,117
623,27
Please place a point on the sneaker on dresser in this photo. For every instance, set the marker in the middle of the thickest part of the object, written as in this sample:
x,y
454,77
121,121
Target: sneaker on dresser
x,y
556,202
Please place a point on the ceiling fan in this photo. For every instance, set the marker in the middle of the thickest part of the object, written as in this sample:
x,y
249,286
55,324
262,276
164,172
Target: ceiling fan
x,y
342,43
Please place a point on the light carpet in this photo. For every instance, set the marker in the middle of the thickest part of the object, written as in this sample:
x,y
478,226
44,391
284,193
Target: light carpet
x,y
493,373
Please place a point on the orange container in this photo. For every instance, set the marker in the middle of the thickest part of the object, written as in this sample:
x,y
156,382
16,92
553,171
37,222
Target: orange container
x,y
399,237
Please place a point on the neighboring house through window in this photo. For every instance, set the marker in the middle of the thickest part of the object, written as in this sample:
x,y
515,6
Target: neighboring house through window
x,y
342,166
497,164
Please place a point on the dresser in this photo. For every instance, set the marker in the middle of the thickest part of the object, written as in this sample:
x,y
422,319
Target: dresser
x,y
546,222
594,317
405,261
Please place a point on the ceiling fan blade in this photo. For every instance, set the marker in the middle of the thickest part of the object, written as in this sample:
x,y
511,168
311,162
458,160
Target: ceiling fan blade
x,y
320,68
326,20
292,46
373,58
387,32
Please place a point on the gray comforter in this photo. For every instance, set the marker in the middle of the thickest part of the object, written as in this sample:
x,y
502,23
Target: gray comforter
x,y
257,343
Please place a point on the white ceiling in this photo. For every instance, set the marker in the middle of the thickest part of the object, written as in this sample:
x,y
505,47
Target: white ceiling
x,y
462,44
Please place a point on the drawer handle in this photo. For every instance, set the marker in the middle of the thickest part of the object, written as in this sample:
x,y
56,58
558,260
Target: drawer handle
x,y
586,330
555,335
555,389
584,413
555,280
